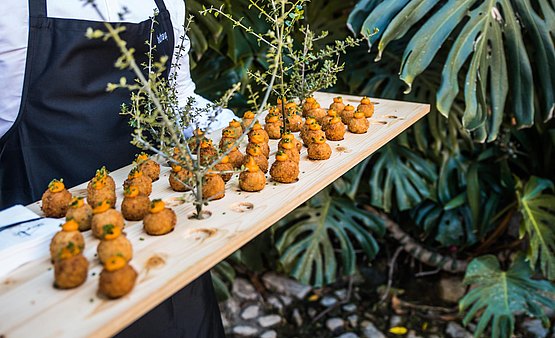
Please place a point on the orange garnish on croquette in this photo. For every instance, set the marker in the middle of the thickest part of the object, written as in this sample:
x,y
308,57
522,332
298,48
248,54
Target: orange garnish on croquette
x,y
142,157
102,172
349,108
310,99
256,126
287,144
56,185
69,251
206,143
234,123
365,100
99,183
131,191
70,225
77,202
310,121
319,140
335,120
332,113
228,133
288,136
225,159
110,232
281,156
248,115
314,126
315,105
156,206
135,173
273,119
101,207
176,168
359,115
338,99
114,263
251,165
257,138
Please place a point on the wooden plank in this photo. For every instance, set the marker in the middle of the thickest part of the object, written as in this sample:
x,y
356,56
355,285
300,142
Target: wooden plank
x,y
30,306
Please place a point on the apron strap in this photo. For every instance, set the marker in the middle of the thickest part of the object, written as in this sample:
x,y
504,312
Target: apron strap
x,y
161,6
37,8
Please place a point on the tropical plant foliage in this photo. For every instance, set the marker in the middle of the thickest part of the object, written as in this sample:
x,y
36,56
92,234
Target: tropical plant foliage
x,y
538,211
499,295
486,68
482,37
306,244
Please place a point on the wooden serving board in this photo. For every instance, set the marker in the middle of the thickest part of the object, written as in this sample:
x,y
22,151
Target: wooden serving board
x,y
31,307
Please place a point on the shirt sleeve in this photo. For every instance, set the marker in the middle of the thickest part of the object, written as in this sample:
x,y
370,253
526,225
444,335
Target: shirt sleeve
x,y
184,83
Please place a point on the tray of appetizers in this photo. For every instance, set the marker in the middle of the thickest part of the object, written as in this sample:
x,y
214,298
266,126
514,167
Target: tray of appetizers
x,y
145,243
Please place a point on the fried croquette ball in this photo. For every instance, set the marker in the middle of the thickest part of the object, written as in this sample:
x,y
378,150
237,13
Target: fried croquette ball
x,y
347,114
180,178
252,179
273,128
213,187
294,122
148,166
256,137
101,191
258,126
317,112
335,130
195,141
224,165
70,272
359,124
104,175
248,117
80,212
135,206
307,105
160,220
228,136
327,119
235,157
259,158
104,221
337,104
207,152
56,199
289,137
284,170
117,278
366,107
67,242
117,246
236,126
319,149
314,132
288,147
138,179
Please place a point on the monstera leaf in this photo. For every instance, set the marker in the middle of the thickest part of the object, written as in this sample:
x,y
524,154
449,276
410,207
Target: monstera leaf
x,y
401,175
309,236
499,294
538,223
486,42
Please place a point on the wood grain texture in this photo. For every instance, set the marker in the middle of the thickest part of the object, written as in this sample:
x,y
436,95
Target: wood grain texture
x,y
31,307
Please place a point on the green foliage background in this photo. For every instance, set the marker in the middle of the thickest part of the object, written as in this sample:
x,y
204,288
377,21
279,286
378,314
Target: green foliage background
x,y
480,162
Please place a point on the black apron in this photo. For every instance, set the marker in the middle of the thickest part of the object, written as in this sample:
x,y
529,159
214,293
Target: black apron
x,y
68,126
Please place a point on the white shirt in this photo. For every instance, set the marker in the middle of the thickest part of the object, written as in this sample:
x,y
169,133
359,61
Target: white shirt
x,y
14,30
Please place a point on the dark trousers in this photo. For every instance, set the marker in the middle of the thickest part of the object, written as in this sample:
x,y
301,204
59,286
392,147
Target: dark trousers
x,y
192,312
